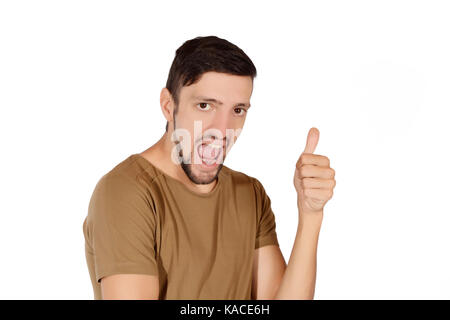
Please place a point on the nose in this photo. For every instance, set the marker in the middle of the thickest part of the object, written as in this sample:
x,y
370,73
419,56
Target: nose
x,y
222,121
217,128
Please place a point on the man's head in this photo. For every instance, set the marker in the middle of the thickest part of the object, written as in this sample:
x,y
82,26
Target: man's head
x,y
205,102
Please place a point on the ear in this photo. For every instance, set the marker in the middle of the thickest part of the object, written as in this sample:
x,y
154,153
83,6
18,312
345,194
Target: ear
x,y
167,104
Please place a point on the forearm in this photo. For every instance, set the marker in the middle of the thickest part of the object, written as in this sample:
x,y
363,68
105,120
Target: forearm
x,y
299,279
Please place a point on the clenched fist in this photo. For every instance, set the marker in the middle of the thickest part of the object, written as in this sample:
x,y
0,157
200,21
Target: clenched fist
x,y
313,179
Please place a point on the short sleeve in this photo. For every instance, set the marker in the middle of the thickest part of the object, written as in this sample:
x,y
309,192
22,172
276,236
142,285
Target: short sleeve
x,y
121,228
266,228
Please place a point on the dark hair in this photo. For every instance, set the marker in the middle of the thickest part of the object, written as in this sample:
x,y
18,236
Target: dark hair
x,y
203,54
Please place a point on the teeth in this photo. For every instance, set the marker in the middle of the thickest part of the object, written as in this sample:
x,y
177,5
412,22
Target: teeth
x,y
209,162
216,146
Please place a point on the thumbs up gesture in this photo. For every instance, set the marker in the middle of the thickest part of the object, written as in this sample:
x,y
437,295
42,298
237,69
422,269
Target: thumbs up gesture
x,y
313,179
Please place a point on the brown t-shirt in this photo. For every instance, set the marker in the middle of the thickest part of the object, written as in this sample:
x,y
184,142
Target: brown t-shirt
x,y
142,221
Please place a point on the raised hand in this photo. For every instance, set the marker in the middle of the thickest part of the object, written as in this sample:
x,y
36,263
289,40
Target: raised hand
x,y
313,178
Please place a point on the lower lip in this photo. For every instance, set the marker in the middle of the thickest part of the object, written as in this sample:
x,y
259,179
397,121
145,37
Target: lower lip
x,y
208,166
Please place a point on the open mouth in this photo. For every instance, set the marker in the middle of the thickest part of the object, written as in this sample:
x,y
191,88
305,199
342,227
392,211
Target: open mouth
x,y
209,153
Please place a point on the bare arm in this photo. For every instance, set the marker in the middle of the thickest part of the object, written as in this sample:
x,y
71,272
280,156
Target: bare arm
x,y
299,280
130,287
314,182
268,270
272,279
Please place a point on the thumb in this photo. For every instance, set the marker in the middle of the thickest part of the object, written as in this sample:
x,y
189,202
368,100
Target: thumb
x,y
312,140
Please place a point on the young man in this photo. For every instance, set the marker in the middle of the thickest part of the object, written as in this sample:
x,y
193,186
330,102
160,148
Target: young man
x,y
173,222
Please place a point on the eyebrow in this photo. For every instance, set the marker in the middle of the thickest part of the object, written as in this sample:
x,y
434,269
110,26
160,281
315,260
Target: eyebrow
x,y
241,104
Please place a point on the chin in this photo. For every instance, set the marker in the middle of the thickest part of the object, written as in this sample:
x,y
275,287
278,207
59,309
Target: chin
x,y
201,175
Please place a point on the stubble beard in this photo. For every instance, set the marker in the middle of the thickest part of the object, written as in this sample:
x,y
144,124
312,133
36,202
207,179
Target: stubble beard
x,y
187,167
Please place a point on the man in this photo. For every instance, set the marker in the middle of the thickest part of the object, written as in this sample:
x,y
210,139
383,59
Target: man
x,y
173,222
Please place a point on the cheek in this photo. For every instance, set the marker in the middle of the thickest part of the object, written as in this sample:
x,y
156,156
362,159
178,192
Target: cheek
x,y
195,124
236,128
239,122
184,125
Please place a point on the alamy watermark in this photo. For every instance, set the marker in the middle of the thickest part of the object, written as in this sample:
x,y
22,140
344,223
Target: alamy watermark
x,y
182,152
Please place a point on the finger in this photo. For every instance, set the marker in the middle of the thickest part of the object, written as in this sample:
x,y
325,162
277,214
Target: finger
x,y
312,171
315,159
312,140
320,194
317,183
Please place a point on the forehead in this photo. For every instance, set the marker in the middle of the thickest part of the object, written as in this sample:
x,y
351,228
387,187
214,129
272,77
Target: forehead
x,y
221,86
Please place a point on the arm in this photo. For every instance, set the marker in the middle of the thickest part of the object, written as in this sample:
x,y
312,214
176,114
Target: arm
x,y
130,287
300,277
272,279
120,230
314,182
268,270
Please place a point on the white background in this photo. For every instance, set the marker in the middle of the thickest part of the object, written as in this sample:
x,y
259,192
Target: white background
x,y
79,92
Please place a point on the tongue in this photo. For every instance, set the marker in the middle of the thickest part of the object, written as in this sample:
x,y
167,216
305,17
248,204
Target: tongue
x,y
207,152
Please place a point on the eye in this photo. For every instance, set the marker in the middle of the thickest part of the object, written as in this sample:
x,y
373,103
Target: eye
x,y
240,111
204,106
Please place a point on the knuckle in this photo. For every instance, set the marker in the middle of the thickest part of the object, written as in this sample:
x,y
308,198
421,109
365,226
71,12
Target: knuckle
x,y
302,158
332,172
303,183
306,182
302,171
307,170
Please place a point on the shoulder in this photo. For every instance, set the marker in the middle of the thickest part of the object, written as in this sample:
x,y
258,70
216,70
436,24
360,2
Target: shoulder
x,y
120,179
121,190
133,168
128,175
241,178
